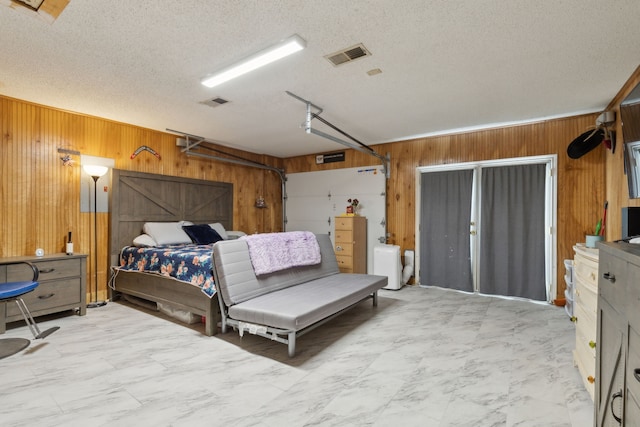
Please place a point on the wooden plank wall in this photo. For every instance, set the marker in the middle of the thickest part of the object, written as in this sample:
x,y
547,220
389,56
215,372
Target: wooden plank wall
x,y
581,182
40,198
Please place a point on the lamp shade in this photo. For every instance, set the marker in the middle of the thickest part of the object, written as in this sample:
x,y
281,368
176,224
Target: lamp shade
x,y
95,170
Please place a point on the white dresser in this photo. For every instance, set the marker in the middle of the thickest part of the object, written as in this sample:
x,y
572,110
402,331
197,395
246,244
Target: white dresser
x,y
585,312
569,292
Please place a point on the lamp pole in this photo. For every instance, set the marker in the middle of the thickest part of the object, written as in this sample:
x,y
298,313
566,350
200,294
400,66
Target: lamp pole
x,y
96,303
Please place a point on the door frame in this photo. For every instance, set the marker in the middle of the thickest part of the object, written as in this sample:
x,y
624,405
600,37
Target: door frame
x,y
551,211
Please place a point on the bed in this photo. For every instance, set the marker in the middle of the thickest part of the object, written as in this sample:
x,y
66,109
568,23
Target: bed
x,y
138,198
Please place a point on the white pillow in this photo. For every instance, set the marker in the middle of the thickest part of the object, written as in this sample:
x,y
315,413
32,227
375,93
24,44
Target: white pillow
x,y
167,233
220,229
144,240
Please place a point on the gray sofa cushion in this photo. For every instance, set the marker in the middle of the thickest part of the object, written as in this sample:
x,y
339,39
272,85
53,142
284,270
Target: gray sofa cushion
x,y
236,282
297,307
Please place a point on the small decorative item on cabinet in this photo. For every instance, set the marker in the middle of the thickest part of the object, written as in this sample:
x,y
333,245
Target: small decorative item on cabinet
x,y
352,208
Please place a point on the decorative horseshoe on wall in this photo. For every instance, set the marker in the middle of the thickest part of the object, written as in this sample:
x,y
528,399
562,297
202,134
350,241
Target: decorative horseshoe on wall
x,y
144,148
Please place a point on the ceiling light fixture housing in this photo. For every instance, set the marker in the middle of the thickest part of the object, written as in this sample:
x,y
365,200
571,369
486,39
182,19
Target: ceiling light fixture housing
x,y
278,51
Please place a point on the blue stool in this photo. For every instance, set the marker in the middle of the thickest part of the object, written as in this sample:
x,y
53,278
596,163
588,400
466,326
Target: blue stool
x,y
13,291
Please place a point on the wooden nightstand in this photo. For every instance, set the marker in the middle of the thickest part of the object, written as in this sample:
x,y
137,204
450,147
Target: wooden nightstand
x,y
351,243
62,285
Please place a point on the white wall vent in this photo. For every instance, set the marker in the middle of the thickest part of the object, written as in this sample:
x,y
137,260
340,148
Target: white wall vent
x,y
349,54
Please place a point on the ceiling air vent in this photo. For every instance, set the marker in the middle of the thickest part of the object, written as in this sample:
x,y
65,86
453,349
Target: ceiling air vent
x,y
348,55
215,102
33,4
49,10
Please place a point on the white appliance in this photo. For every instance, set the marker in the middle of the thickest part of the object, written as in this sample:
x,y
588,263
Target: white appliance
x,y
386,262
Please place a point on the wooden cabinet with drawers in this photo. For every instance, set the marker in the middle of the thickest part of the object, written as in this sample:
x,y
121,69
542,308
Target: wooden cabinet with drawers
x,y
585,312
351,243
62,285
618,351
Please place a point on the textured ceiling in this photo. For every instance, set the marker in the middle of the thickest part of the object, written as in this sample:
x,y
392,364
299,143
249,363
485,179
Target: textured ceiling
x,y
446,65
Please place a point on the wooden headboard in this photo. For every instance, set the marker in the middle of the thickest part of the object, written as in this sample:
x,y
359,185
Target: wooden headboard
x,y
138,197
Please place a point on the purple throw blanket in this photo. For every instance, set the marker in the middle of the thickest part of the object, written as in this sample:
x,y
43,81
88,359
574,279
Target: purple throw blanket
x,y
272,252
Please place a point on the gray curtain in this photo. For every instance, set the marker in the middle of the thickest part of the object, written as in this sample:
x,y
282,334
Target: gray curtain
x,y
512,253
444,235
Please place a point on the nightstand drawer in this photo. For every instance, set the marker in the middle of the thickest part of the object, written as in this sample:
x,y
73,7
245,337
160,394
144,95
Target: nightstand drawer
x,y
344,223
345,249
49,295
344,236
49,270
345,263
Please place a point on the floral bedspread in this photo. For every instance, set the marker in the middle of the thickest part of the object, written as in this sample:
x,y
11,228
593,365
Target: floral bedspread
x,y
186,263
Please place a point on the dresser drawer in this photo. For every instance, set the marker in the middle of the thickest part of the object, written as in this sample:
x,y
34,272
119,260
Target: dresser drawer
x,y
588,378
585,271
344,223
345,263
49,295
611,284
586,341
344,236
350,243
49,270
587,297
343,248
585,320
588,360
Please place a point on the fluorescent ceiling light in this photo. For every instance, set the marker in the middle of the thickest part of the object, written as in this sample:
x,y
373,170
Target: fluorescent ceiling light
x,y
284,48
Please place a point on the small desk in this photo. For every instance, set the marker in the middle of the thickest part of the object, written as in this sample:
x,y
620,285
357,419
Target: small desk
x,y
62,285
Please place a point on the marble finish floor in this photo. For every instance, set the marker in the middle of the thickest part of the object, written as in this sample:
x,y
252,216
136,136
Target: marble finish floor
x,y
423,357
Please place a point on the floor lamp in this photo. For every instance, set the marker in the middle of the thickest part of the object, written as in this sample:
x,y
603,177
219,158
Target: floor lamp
x,y
95,172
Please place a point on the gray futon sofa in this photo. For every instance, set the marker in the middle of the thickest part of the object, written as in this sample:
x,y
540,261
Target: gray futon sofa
x,y
288,303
